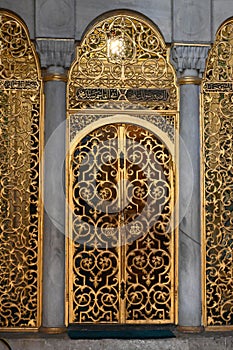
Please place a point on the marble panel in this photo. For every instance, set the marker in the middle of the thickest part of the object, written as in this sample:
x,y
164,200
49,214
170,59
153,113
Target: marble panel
x,y
229,343
189,223
158,11
24,9
54,204
222,10
192,21
55,18
191,342
137,344
213,343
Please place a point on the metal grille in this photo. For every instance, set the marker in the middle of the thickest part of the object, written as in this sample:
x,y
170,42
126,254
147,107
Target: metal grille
x,y
122,246
122,115
217,94
20,98
123,63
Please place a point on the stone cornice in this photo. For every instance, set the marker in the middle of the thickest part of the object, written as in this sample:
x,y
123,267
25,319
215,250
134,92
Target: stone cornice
x,y
55,52
189,57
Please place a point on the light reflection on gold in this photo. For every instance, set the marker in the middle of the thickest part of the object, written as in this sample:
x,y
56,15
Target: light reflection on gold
x,y
116,47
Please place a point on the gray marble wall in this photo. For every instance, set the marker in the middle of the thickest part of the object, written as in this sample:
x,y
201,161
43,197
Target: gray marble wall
x,y
193,21
213,342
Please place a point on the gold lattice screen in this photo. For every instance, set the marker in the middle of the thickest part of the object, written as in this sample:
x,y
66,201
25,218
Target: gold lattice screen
x,y
20,220
122,120
217,144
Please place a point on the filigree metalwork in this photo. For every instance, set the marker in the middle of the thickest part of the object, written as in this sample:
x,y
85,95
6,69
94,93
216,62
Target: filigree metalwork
x,y
122,246
20,108
121,175
122,59
217,95
165,123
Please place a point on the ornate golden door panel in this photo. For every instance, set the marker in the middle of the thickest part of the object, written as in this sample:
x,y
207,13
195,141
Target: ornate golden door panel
x,y
20,196
122,116
122,245
217,174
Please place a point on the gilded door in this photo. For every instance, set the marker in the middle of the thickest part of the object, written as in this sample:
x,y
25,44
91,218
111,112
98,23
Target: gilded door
x,y
121,227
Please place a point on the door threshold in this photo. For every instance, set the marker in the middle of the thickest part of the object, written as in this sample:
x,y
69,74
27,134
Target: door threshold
x,y
124,331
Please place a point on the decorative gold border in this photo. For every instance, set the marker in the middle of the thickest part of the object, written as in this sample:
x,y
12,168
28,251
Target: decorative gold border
x,y
124,118
188,80
55,77
219,328
190,329
122,12
202,197
41,180
191,44
53,330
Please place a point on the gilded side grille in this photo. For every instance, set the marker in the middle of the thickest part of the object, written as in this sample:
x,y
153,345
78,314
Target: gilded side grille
x,y
217,181
20,140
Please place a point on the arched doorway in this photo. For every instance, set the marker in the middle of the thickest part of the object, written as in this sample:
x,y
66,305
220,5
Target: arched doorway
x,y
122,183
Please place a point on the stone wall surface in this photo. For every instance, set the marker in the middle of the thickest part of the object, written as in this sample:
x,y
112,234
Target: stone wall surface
x,y
222,10
194,21
160,12
191,342
23,8
55,18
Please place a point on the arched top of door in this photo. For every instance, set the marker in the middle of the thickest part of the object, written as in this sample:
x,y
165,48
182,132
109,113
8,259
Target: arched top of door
x,y
122,62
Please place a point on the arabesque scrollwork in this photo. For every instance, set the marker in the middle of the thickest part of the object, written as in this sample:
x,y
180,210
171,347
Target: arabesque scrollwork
x,y
217,97
128,54
122,111
20,123
122,243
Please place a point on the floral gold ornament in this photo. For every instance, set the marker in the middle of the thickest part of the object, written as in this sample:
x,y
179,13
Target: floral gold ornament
x,y
20,193
217,171
122,199
122,52
122,115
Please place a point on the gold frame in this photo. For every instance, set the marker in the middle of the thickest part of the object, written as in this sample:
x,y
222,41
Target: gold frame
x,y
17,19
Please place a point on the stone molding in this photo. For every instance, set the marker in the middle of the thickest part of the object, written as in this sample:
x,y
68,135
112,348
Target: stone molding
x,y
189,58
55,52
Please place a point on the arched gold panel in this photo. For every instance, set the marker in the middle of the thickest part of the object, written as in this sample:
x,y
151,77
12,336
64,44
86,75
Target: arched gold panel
x,y
122,112
20,192
122,63
217,175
